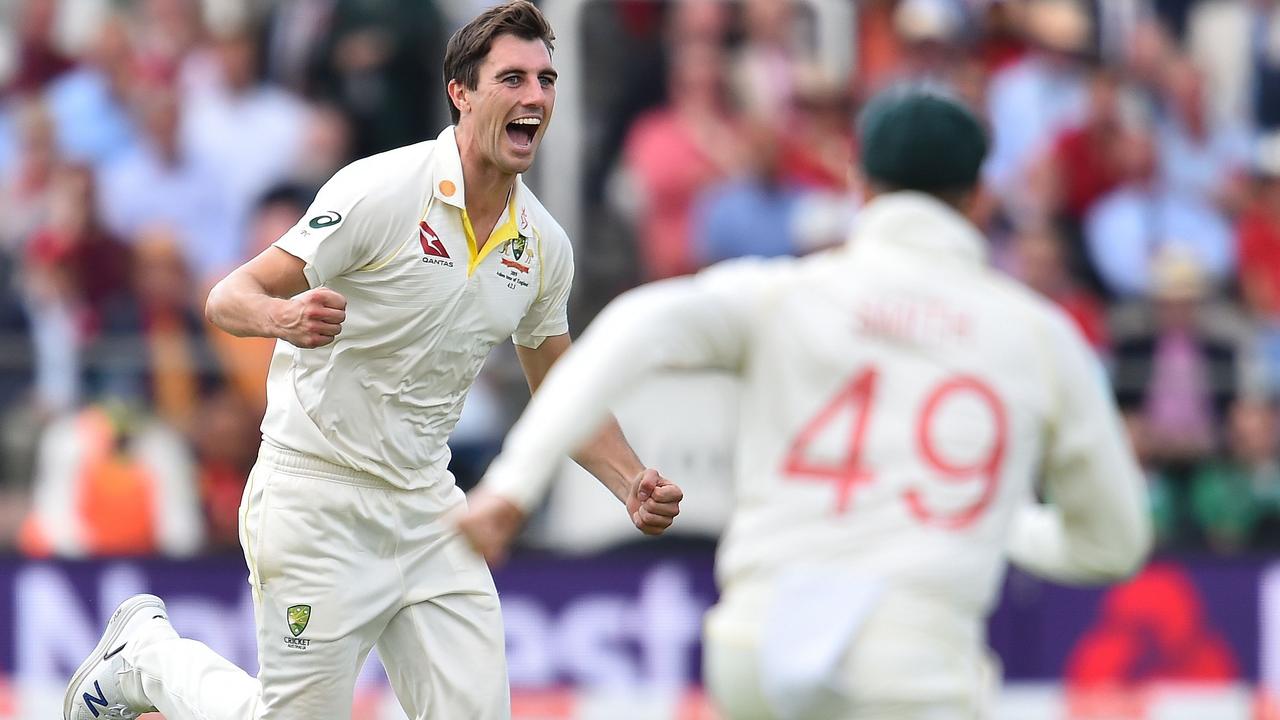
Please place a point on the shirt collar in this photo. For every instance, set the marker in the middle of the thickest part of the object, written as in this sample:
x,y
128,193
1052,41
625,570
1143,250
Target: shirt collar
x,y
920,222
447,184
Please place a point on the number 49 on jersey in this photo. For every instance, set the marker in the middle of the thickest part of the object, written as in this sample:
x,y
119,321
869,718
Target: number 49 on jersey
x,y
859,396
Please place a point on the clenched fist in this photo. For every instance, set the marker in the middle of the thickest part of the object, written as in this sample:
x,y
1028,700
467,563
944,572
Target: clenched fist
x,y
653,502
311,319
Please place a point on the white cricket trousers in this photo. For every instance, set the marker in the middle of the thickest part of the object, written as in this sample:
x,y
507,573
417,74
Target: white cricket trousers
x,y
911,660
341,562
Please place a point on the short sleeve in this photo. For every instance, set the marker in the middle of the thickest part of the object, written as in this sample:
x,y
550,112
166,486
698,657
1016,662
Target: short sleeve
x,y
339,233
548,316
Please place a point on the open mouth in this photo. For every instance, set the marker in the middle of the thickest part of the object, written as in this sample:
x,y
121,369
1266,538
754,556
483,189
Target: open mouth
x,y
522,131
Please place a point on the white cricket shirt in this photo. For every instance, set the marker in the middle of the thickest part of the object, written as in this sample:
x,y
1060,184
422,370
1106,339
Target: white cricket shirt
x,y
899,398
425,304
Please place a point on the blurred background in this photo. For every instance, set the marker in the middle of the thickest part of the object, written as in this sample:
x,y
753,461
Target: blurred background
x,y
148,146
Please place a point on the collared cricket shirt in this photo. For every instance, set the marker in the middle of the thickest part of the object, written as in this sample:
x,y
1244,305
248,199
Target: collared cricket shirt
x,y
427,299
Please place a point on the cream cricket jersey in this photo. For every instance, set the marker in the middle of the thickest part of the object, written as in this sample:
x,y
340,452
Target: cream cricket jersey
x,y
426,301
898,399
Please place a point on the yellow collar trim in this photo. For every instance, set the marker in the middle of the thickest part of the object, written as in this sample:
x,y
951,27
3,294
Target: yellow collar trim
x,y
503,233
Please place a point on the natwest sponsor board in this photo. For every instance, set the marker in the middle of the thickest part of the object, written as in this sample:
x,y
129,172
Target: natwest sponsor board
x,y
617,635
617,622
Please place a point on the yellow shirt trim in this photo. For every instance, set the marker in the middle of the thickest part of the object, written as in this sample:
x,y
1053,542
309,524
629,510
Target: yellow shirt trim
x,y
504,232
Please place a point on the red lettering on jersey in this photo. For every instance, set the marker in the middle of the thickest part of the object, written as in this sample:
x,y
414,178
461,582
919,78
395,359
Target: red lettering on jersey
x,y
431,243
849,472
986,470
858,396
915,321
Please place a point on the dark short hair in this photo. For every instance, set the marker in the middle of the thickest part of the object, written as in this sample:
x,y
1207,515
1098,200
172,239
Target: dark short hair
x,y
470,45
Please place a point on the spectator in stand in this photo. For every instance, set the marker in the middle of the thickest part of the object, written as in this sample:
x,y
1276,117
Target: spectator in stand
x,y
1000,40
167,31
225,449
1259,234
899,40
373,64
1086,158
1178,362
764,69
152,349
679,150
160,183
930,43
71,267
1236,500
1040,260
1199,155
877,45
1029,102
110,481
19,420
1236,43
1085,163
818,148
327,148
1258,243
292,46
25,188
932,32
752,214
90,104
39,60
1127,228
251,133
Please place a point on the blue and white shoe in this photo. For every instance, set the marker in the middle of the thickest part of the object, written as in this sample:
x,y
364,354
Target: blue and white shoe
x,y
95,692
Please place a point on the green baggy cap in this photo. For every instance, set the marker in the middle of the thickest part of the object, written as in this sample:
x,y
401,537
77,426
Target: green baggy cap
x,y
921,138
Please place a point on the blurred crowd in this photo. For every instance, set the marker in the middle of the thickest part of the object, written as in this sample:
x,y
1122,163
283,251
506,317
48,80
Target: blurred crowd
x,y
148,146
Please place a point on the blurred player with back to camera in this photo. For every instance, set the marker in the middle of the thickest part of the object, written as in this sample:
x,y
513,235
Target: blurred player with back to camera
x,y
385,303
899,397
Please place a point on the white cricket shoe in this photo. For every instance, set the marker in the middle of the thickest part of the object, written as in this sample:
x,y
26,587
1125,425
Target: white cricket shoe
x,y
95,692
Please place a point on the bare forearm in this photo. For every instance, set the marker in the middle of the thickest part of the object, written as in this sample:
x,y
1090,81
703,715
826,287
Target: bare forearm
x,y
242,307
609,457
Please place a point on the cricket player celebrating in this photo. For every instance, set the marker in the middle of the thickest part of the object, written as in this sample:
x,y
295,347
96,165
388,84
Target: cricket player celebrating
x,y
899,398
386,298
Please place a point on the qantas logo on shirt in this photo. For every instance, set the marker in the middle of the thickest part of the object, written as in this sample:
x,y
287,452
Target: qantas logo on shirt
x,y
431,244
436,254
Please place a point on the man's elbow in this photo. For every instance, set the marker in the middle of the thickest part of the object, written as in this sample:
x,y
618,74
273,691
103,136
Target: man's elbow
x,y
213,306
217,308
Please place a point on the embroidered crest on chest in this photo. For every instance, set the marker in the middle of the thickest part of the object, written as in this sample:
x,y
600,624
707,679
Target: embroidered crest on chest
x,y
516,261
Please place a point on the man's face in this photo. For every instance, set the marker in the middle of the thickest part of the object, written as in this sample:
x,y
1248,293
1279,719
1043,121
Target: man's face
x,y
507,114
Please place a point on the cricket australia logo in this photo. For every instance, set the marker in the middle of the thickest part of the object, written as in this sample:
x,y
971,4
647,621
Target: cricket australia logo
x,y
297,616
516,249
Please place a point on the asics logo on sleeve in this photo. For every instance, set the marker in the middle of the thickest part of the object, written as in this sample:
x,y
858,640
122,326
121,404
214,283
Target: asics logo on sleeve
x,y
325,219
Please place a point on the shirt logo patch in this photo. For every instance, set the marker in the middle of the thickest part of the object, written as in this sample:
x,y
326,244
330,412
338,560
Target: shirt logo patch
x,y
298,617
434,248
325,219
516,265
